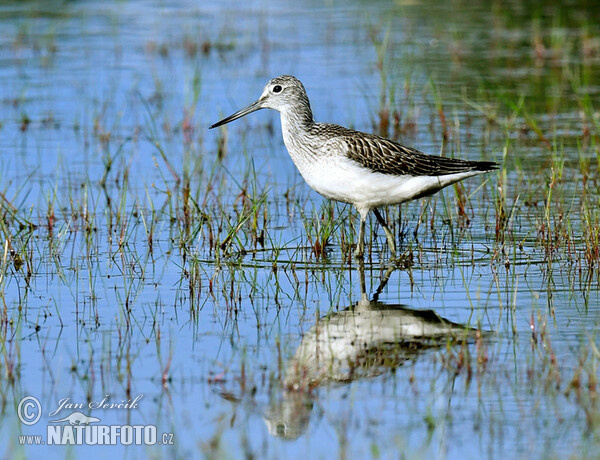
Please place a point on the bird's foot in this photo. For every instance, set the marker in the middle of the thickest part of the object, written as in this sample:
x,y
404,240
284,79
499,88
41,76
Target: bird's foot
x,y
404,260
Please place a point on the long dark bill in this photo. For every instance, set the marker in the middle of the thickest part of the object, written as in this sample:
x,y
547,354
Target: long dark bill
x,y
239,114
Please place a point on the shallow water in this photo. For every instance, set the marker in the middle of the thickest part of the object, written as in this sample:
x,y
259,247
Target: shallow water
x,y
115,196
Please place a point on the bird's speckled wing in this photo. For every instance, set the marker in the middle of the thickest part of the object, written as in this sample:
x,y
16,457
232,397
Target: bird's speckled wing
x,y
388,157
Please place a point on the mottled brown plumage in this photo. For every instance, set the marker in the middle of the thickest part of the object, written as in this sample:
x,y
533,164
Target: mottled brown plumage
x,y
385,156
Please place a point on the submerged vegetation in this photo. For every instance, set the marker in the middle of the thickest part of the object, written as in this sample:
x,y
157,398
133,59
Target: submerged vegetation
x,y
141,254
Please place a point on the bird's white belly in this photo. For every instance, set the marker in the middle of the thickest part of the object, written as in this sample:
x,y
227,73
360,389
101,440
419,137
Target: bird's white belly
x,y
344,180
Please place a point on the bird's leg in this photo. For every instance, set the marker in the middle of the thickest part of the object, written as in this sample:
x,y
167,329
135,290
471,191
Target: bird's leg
x,y
363,285
360,247
388,232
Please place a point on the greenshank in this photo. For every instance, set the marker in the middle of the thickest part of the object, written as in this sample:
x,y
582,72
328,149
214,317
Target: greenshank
x,y
350,166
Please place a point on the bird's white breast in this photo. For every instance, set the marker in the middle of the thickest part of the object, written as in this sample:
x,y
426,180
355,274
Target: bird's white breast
x,y
328,170
339,178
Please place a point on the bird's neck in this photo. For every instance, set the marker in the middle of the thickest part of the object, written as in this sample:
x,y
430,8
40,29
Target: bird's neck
x,y
297,120
296,125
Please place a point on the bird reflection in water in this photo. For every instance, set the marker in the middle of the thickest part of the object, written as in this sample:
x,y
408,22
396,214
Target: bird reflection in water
x,y
364,340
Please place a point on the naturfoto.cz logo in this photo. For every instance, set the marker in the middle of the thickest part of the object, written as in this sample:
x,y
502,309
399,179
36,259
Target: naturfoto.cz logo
x,y
78,428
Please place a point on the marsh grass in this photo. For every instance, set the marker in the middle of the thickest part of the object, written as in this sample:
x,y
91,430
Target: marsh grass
x,y
174,264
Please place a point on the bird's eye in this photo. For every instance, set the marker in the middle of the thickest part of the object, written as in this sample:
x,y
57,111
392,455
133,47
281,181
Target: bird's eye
x,y
277,88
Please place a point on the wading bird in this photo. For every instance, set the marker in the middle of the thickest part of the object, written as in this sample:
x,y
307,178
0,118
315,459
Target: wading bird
x,y
350,166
